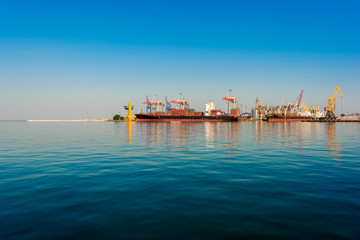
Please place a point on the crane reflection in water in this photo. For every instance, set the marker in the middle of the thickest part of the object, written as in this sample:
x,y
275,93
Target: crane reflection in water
x,y
335,147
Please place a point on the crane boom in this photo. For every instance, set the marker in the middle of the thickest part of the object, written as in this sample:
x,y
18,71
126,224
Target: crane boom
x,y
300,97
181,102
153,105
330,109
332,99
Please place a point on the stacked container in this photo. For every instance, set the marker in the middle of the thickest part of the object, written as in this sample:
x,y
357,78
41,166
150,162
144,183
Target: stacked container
x,y
235,112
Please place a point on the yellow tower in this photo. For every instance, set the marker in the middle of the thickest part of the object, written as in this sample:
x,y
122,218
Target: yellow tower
x,y
129,116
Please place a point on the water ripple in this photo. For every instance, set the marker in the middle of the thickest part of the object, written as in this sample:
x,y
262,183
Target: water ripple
x,y
108,180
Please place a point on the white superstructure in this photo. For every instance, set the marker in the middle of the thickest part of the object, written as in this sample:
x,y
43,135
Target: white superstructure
x,y
209,107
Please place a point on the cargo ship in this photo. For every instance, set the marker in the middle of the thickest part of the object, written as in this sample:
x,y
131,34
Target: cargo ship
x,y
182,112
141,117
285,118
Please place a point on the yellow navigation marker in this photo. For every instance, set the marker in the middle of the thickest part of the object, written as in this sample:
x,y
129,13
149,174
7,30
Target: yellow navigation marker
x,y
129,116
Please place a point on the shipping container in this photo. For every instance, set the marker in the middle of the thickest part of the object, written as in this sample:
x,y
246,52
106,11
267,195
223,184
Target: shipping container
x,y
235,112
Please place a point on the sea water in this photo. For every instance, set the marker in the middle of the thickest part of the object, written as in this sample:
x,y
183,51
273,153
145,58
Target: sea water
x,y
178,180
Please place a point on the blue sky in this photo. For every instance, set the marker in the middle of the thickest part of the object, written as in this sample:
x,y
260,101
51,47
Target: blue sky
x,y
79,59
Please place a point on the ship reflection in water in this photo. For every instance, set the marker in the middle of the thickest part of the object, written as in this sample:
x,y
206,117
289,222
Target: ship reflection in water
x,y
180,135
235,136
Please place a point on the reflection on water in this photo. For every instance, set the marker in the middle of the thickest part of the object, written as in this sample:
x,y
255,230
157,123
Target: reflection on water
x,y
211,129
129,130
257,131
334,146
130,180
181,134
230,135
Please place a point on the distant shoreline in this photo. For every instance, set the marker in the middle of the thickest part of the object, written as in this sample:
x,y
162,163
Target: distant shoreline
x,y
59,120
74,120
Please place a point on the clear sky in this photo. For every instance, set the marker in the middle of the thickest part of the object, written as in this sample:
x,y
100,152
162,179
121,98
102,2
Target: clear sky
x,y
86,59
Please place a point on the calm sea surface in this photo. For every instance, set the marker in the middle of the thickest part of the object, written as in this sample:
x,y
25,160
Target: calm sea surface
x,y
118,180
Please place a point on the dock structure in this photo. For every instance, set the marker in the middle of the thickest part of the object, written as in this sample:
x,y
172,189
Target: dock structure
x,y
329,120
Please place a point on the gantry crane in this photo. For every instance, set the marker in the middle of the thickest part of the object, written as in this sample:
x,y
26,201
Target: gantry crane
x,y
167,105
154,105
148,105
180,102
330,110
230,98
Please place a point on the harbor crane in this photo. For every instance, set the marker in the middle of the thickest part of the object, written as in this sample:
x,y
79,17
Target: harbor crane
x,y
305,107
148,105
258,105
300,97
330,110
154,105
230,98
167,105
297,104
181,102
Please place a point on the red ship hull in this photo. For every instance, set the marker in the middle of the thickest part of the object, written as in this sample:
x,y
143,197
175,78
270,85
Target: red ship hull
x,y
166,118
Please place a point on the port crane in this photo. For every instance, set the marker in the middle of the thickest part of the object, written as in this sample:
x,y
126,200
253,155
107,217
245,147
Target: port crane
x,y
148,105
258,105
167,105
330,110
300,97
230,98
297,104
279,110
153,105
287,108
181,102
